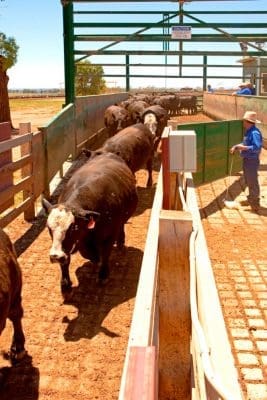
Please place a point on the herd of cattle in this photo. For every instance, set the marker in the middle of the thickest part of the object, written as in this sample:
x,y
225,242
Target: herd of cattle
x,y
133,110
96,202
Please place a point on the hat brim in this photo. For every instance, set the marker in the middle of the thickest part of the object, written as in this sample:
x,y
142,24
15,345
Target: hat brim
x,y
253,121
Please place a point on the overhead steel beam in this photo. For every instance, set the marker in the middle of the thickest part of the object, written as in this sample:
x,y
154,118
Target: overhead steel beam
x,y
170,52
160,38
137,24
163,65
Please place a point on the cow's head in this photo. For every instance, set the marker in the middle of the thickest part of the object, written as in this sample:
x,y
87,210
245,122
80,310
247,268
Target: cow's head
x,y
151,122
67,227
90,154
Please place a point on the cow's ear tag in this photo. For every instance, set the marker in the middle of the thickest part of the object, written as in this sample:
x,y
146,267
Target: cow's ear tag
x,y
91,223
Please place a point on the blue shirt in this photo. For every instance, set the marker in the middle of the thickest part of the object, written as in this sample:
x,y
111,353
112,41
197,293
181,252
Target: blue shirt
x,y
252,139
244,90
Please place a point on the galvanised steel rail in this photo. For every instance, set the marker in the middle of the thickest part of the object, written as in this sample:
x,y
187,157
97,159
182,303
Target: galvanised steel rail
x,y
163,53
161,25
160,38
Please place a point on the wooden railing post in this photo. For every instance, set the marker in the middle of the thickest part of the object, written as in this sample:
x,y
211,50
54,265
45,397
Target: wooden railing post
x,y
5,158
25,149
169,179
175,228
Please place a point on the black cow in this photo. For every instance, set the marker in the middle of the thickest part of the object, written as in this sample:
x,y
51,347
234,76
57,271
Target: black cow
x,y
115,119
189,103
90,215
136,109
10,296
134,145
168,101
155,118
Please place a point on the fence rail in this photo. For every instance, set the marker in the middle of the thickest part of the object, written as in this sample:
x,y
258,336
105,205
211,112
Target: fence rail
x,y
205,357
16,195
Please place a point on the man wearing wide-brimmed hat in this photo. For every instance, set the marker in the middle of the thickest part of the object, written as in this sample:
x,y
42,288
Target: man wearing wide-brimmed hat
x,y
243,89
250,150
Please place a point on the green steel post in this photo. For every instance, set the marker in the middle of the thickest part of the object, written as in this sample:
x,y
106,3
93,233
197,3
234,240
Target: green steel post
x,y
205,72
68,51
127,73
166,47
181,20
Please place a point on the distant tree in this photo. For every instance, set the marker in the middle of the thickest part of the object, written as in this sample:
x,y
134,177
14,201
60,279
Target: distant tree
x,y
8,58
89,79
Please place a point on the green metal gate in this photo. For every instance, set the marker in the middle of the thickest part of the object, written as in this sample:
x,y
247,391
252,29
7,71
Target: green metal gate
x,y
139,36
214,140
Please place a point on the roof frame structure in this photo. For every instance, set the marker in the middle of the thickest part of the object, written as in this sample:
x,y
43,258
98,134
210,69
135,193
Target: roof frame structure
x,y
119,32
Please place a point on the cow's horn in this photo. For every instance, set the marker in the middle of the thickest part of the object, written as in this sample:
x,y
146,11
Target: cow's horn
x,y
46,205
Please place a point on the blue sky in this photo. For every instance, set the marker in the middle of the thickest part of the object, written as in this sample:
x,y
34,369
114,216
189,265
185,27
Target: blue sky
x,y
37,27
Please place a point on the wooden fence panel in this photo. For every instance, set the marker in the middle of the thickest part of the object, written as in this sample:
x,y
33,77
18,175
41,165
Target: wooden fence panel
x,y
12,203
5,158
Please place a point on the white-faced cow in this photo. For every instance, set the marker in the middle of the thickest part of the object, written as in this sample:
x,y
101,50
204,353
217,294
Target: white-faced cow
x,y
155,118
134,145
90,215
10,296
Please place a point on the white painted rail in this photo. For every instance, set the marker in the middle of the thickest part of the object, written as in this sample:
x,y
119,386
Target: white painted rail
x,y
213,371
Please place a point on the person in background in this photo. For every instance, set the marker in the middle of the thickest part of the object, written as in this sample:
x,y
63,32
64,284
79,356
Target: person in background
x,y
250,150
251,88
243,90
209,89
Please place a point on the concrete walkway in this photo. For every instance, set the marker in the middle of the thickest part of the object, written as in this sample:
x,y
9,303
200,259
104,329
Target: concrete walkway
x,y
237,243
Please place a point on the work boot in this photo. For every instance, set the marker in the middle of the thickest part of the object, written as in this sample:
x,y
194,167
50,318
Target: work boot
x,y
255,207
244,203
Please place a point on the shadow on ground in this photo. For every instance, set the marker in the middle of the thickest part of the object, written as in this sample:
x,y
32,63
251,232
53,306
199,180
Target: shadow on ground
x,y
94,301
20,382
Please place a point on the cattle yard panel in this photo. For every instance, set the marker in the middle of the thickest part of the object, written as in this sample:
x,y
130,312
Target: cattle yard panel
x,y
89,117
214,140
77,125
122,38
5,158
226,107
19,196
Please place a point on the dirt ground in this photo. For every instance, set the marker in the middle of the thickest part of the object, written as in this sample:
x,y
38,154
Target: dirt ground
x,y
77,348
37,111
